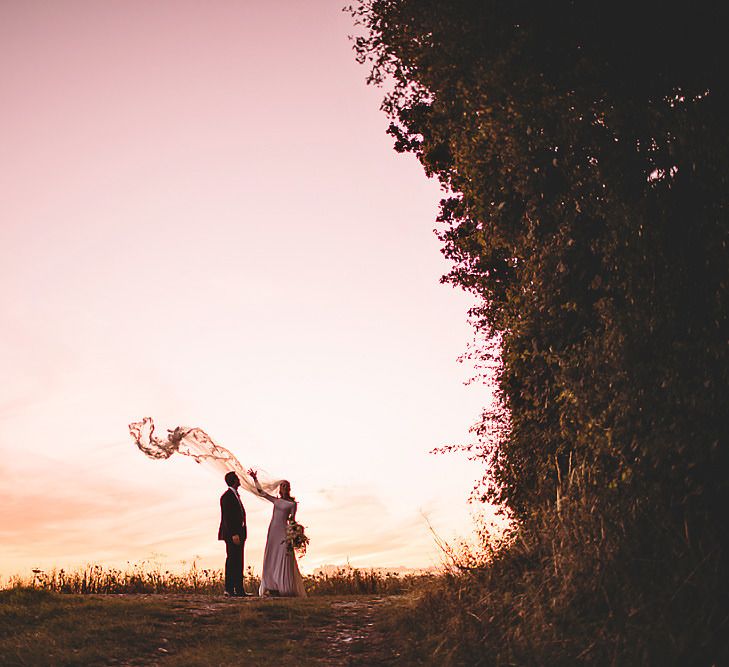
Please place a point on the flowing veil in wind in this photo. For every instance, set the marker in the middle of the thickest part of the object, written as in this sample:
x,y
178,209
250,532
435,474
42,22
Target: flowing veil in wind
x,y
198,445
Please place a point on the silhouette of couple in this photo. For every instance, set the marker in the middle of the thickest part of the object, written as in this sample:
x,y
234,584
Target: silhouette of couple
x,y
280,574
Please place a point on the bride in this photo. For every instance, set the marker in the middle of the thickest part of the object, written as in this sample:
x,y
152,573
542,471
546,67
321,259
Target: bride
x,y
281,574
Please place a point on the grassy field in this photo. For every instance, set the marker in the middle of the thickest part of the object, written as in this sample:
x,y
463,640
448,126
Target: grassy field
x,y
40,627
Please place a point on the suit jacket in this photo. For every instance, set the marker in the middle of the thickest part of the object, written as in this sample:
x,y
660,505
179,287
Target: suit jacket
x,y
232,517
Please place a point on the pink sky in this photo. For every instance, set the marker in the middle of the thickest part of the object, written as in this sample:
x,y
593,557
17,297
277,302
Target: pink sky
x,y
202,220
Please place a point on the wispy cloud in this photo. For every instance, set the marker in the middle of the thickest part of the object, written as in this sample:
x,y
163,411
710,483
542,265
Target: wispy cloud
x,y
81,521
359,526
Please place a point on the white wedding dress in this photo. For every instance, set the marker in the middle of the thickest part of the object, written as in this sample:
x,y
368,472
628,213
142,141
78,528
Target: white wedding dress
x,y
280,569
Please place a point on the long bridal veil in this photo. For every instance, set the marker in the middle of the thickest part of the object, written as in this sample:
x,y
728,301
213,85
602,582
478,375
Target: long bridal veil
x,y
200,447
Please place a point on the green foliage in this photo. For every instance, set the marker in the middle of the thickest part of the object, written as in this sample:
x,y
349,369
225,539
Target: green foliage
x,y
584,154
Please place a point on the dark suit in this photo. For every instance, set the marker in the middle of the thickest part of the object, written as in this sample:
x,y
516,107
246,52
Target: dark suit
x,y
232,522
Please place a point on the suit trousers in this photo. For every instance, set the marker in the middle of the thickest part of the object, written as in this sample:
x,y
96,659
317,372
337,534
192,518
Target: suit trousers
x,y
233,567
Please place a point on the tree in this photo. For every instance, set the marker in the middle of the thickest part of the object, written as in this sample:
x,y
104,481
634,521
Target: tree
x,y
583,149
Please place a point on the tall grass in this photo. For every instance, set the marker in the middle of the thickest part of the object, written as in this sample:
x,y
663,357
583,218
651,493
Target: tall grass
x,y
149,578
576,586
354,581
137,578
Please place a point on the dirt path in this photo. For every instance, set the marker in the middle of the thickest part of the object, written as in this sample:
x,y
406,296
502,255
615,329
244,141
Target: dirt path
x,y
345,632
355,640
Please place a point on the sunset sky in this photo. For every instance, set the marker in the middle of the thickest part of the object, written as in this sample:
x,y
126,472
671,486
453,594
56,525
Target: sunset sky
x,y
202,220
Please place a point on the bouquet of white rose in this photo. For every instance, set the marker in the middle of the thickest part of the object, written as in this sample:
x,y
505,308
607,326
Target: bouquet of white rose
x,y
296,539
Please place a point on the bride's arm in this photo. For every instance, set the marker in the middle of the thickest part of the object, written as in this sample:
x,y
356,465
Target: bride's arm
x,y
262,493
293,511
260,490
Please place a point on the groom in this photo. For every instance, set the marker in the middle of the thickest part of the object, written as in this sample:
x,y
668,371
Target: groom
x,y
233,531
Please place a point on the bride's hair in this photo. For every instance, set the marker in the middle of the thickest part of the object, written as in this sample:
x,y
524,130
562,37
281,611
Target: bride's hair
x,y
285,484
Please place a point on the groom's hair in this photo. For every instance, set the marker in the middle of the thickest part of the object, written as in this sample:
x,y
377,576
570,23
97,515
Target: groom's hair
x,y
231,477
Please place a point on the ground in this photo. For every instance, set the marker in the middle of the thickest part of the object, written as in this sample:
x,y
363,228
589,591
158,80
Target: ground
x,y
40,628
